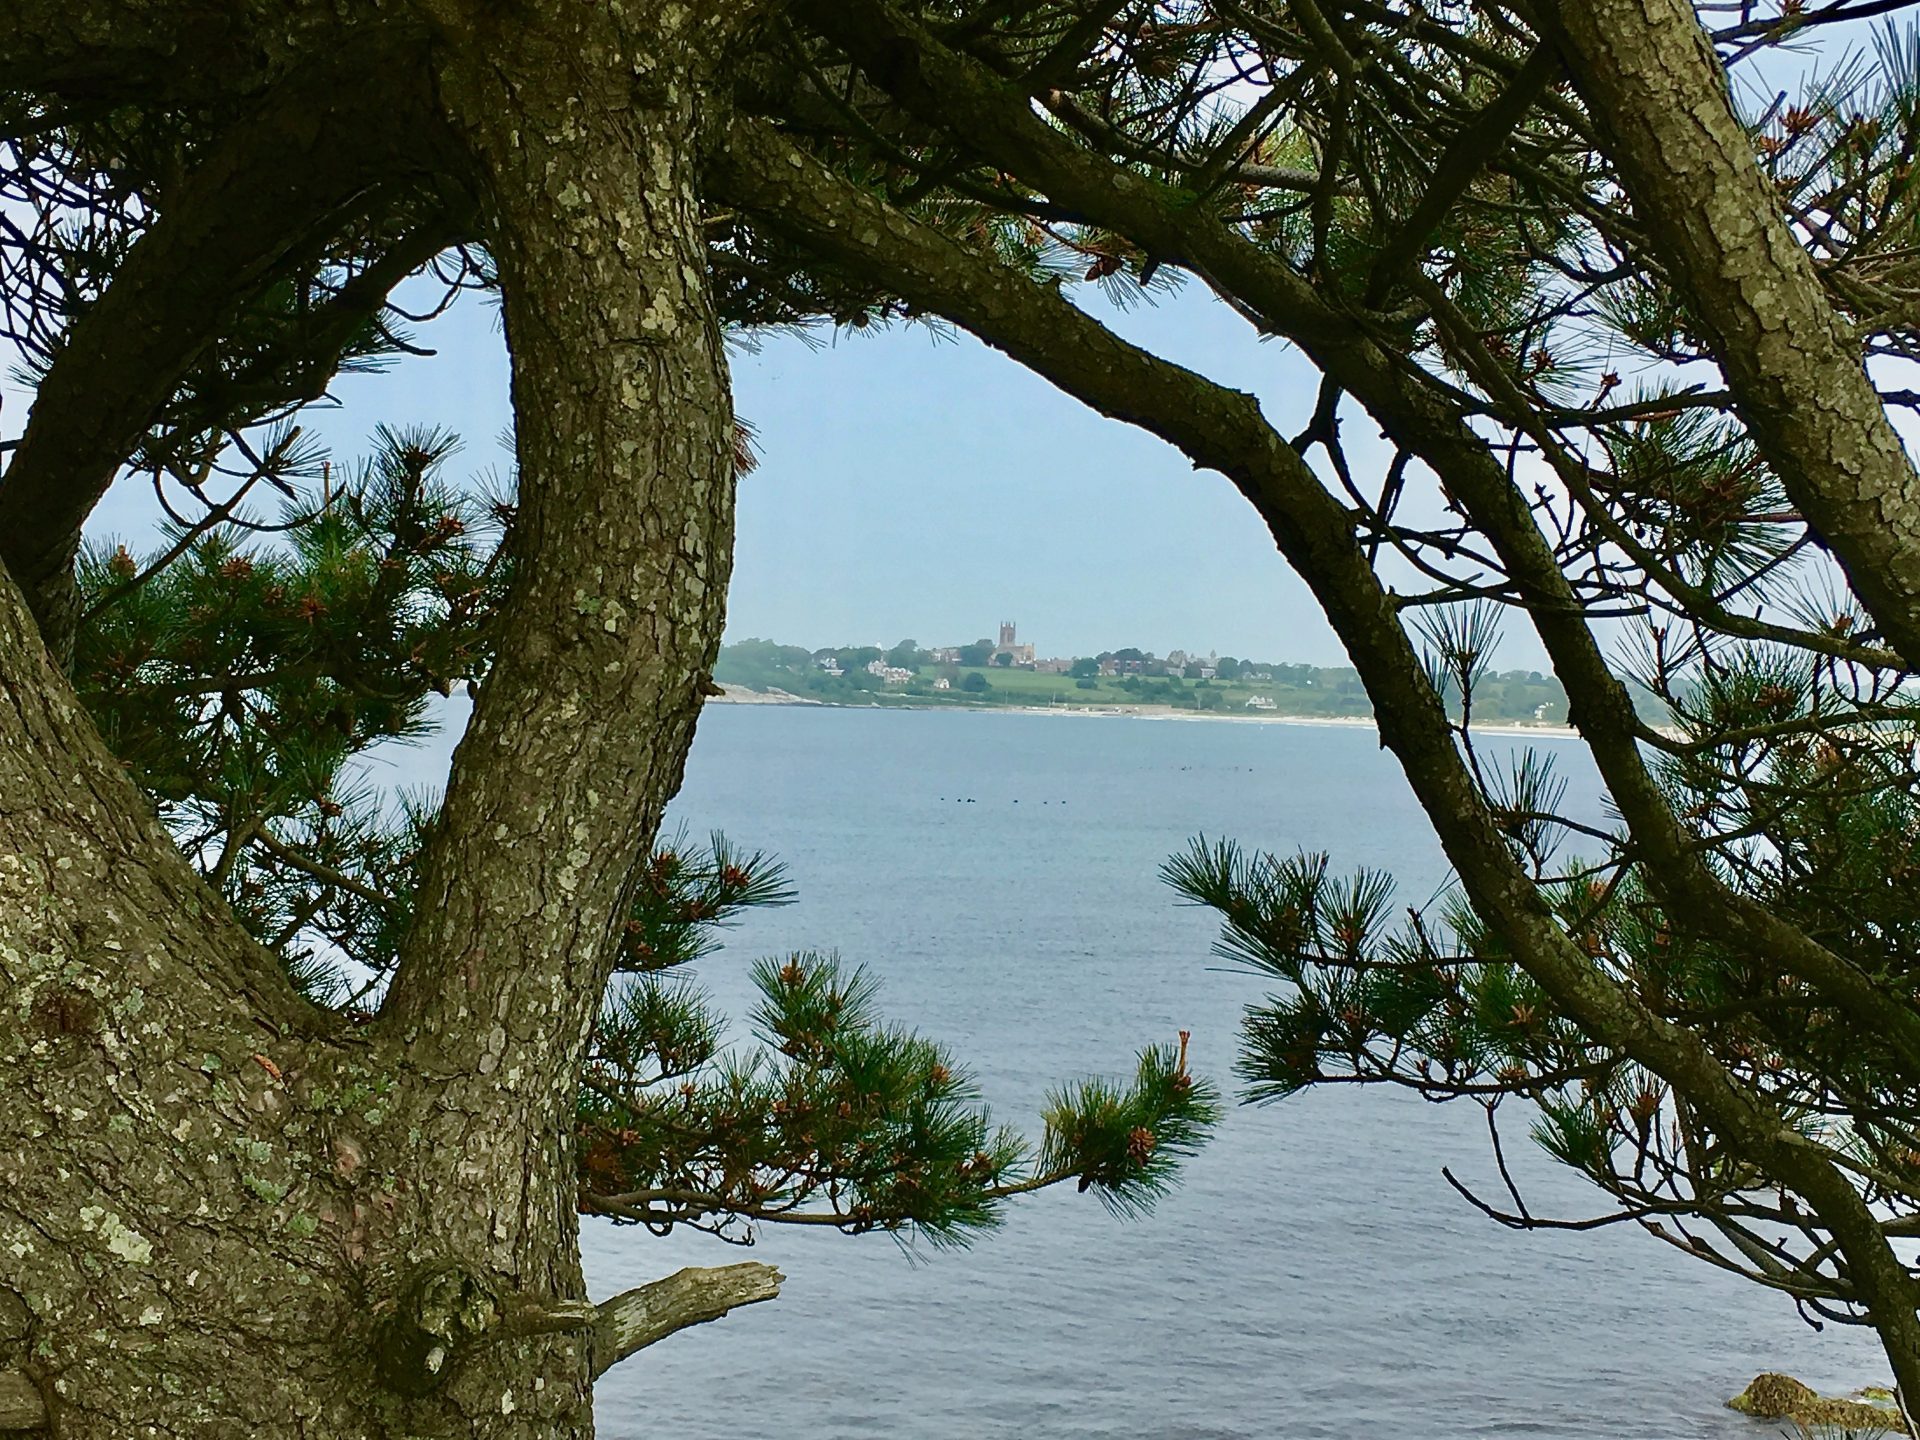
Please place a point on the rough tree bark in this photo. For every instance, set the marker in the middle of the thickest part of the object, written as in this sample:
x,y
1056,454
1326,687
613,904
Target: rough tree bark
x,y
1651,80
222,1213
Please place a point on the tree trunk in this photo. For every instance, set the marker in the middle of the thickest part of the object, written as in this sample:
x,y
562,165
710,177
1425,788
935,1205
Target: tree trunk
x,y
225,1214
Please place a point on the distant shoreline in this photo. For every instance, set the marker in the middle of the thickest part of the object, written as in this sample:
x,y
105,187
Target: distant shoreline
x,y
740,695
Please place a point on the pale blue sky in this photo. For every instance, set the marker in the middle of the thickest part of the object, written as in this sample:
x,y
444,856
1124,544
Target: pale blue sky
x,y
912,486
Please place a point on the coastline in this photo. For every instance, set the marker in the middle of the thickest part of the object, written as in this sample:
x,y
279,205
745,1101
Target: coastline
x,y
739,695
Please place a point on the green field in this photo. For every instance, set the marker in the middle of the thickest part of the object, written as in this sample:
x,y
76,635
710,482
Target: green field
x,y
1022,687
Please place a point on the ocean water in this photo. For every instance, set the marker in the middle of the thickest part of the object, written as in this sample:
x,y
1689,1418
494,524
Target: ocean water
x,y
1313,1275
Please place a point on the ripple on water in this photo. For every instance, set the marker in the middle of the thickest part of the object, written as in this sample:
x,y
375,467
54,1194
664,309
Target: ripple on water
x,y
1314,1277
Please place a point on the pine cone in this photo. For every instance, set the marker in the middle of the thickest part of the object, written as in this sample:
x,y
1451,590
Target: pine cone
x,y
1139,1144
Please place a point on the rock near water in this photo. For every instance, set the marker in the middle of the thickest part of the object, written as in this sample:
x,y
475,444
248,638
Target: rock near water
x,y
1781,1397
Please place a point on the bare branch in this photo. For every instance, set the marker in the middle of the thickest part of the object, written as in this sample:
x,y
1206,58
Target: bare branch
x,y
631,1321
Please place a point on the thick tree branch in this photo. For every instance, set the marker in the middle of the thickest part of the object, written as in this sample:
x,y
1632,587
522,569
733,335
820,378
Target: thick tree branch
x,y
1224,430
75,835
622,542
1649,75
944,87
96,47
176,52
268,194
631,1321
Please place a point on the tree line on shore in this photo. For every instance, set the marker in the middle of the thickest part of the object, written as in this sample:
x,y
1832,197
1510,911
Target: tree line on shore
x,y
1128,676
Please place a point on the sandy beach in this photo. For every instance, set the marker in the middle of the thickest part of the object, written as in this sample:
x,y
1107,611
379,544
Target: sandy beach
x,y
738,695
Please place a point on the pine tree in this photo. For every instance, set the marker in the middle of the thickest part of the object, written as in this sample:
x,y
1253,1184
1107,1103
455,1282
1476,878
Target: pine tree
x,y
1630,330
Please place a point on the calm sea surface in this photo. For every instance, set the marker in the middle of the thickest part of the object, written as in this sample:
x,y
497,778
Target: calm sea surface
x,y
1312,1276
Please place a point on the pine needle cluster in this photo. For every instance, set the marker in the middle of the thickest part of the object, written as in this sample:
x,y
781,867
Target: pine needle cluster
x,y
246,680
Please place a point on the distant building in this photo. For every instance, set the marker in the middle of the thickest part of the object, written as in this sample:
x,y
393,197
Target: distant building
x,y
1109,667
1176,659
944,655
1021,655
1055,666
891,674
943,683
1207,672
829,665
1260,702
